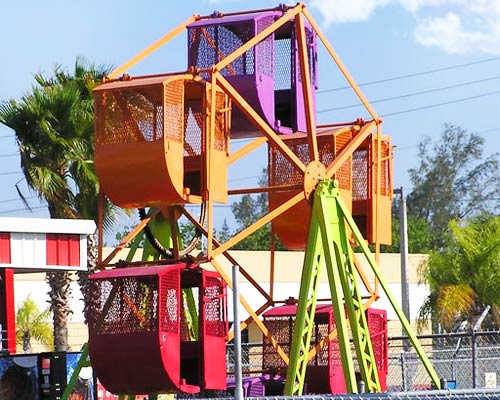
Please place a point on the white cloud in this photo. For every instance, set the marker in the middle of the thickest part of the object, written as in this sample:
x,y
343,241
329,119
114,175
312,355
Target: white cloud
x,y
455,26
448,34
417,5
484,7
347,10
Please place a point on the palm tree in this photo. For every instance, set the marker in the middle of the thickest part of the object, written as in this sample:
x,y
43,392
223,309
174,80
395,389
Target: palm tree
x,y
31,323
464,277
54,129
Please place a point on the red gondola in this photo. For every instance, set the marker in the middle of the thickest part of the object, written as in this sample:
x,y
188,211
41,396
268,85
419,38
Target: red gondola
x,y
144,336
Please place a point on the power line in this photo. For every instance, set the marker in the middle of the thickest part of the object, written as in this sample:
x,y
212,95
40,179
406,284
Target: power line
x,y
414,94
22,209
11,173
16,199
8,155
399,77
440,104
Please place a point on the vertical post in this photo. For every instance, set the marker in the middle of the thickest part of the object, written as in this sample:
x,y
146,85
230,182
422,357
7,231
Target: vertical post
x,y
7,308
474,359
475,328
238,383
403,249
404,373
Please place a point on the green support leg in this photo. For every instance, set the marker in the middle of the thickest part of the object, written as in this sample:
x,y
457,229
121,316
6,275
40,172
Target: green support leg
x,y
402,318
304,319
337,248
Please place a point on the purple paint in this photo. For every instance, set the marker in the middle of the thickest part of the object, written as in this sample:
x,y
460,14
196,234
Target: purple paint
x,y
267,76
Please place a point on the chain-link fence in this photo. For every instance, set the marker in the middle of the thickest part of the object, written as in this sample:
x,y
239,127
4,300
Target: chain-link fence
x,y
464,360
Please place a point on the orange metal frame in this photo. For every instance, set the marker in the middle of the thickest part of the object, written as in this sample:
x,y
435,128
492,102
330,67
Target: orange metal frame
x,y
360,129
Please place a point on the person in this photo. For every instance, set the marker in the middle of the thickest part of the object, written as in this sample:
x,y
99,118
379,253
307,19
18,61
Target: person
x,y
18,383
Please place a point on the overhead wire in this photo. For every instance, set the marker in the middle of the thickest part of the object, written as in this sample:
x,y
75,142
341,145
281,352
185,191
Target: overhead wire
x,y
412,75
403,96
21,209
11,173
439,104
16,199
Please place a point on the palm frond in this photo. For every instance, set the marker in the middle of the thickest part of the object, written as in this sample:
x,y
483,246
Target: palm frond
x,y
454,303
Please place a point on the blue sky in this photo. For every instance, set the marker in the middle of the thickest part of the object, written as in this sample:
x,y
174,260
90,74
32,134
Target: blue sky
x,y
377,40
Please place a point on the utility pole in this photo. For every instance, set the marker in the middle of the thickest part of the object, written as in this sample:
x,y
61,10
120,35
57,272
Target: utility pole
x,y
403,250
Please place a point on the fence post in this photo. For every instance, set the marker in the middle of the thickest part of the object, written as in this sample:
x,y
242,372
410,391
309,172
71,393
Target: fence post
x,y
474,359
404,372
475,328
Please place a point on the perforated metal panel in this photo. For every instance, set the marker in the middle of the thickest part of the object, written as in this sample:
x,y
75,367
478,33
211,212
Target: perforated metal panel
x,y
281,327
264,50
209,44
214,307
128,116
173,110
193,124
282,64
385,175
360,189
344,173
282,171
169,302
377,326
123,305
221,122
326,364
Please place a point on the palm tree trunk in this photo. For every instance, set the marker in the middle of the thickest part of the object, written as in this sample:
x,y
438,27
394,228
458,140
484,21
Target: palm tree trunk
x,y
91,268
59,293
26,342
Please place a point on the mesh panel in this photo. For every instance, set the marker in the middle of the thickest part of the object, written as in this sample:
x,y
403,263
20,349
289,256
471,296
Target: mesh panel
x,y
170,305
173,110
385,182
360,175
333,347
344,173
193,123
282,171
282,64
214,309
220,122
281,327
264,50
319,333
210,44
376,327
129,116
124,305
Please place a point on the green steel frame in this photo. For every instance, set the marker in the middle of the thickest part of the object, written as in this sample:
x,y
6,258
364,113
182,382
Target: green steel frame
x,y
328,246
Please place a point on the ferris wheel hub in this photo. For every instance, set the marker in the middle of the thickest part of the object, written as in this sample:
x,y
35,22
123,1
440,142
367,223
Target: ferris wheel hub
x,y
315,172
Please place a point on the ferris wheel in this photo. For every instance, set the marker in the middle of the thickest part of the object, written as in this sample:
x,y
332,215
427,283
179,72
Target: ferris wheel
x,y
163,144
